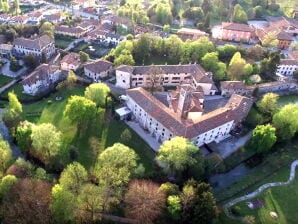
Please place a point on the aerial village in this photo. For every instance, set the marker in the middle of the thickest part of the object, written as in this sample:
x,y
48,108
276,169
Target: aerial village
x,y
149,111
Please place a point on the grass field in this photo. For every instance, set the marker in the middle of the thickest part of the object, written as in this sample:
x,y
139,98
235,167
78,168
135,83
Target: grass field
x,y
102,133
4,80
282,200
18,90
62,42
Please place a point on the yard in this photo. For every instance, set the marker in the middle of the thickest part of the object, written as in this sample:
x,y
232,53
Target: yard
x,y
274,168
18,90
4,80
281,200
102,133
62,42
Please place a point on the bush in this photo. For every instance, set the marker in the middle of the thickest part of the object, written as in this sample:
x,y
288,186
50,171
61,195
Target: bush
x,y
50,102
236,210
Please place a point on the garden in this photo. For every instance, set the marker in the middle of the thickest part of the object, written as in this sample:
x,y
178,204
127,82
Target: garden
x,y
62,41
4,80
104,132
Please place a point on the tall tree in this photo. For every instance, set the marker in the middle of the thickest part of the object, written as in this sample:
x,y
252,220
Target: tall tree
x,y
73,177
14,110
16,6
144,201
6,184
46,142
63,205
5,155
98,93
174,206
263,138
80,110
268,104
142,48
177,154
27,202
47,28
113,169
285,121
83,56
238,67
239,15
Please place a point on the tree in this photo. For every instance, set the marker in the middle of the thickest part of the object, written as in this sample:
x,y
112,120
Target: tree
x,y
198,203
80,110
46,142
163,13
237,67
16,6
90,201
5,6
63,205
5,156
124,59
6,183
27,202
23,135
263,138
47,28
14,64
142,48
211,63
155,78
174,206
144,201
125,136
270,40
169,189
177,154
285,121
239,15
14,110
98,93
206,6
73,177
166,28
113,169
31,61
268,104
83,56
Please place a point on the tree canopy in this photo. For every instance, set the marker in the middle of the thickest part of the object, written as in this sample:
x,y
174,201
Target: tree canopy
x,y
98,93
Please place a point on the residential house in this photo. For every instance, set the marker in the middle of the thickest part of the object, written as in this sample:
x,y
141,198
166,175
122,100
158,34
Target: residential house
x,y
36,46
164,75
4,18
35,17
163,123
76,32
237,32
229,88
287,67
70,61
6,49
41,79
55,18
98,69
18,20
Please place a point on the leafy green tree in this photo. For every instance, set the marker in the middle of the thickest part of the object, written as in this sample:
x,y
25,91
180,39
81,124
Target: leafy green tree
x,y
268,104
14,110
73,177
80,110
23,135
6,6
237,67
164,13
226,52
174,50
211,63
144,201
31,61
263,138
5,155
47,28
90,201
206,6
46,142
6,183
113,169
16,6
83,56
270,40
239,15
166,28
63,205
177,154
125,136
98,93
124,59
142,48
174,206
285,121
169,188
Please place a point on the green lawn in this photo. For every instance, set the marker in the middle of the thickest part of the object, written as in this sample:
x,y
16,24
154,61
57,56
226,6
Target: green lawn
x,y
283,100
62,42
4,80
102,133
18,90
282,200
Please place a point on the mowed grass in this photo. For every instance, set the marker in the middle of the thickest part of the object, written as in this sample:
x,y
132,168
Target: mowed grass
x,y
4,80
100,134
282,200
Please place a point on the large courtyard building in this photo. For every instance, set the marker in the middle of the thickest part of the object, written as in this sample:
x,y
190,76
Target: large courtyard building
x,y
183,116
165,75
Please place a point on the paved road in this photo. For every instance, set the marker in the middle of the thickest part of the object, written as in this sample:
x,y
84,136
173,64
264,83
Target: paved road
x,y
260,190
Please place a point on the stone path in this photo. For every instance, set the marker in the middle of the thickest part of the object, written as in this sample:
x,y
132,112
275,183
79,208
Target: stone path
x,y
260,190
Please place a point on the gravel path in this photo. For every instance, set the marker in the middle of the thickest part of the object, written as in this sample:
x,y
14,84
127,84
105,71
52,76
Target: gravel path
x,y
260,190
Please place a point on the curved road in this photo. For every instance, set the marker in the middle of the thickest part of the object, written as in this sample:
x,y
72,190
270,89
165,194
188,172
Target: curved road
x,y
260,190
